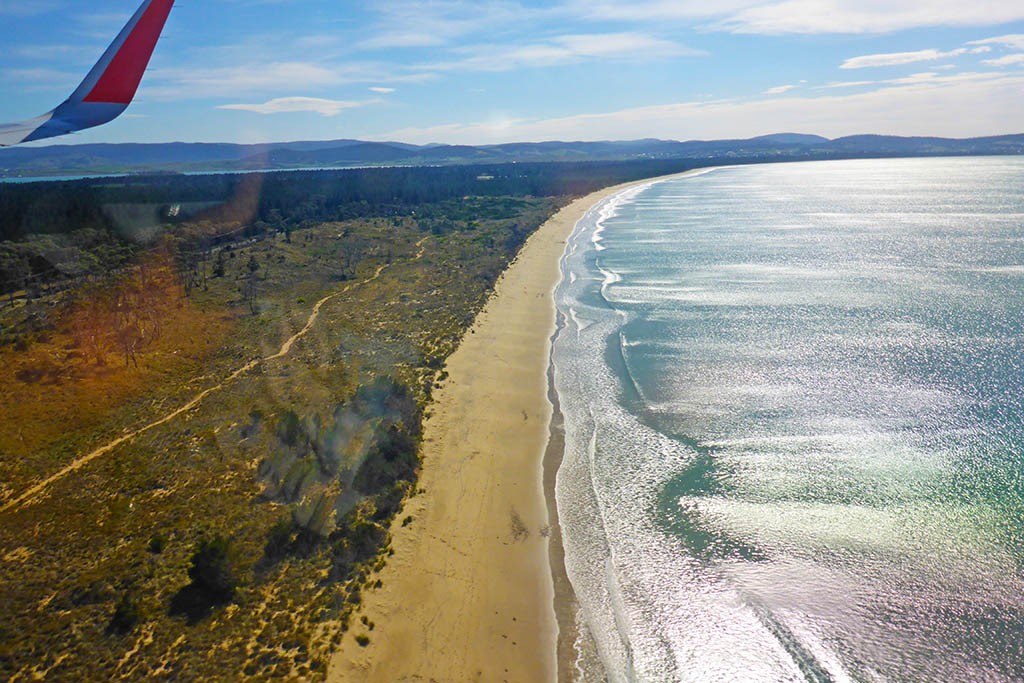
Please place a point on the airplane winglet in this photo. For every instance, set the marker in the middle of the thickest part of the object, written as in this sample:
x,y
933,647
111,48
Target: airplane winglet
x,y
110,85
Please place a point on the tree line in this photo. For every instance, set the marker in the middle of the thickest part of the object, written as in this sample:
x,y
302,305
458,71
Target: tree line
x,y
55,232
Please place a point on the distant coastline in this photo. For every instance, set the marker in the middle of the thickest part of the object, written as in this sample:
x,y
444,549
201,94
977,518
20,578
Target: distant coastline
x,y
64,162
19,180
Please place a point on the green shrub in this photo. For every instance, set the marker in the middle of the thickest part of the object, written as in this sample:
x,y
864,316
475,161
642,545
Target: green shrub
x,y
126,615
289,428
213,569
157,544
279,539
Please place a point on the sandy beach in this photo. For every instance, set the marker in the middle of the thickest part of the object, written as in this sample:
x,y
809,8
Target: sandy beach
x,y
468,594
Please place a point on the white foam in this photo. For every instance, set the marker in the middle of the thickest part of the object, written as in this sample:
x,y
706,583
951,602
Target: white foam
x,y
612,469
1001,270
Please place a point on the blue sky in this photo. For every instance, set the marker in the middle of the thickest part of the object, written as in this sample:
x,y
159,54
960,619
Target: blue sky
x,y
486,71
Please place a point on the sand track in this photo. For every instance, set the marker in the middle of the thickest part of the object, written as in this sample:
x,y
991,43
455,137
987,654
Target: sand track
x,y
36,490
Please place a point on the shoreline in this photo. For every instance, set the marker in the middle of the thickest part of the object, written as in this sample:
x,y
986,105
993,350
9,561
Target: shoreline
x,y
565,603
476,588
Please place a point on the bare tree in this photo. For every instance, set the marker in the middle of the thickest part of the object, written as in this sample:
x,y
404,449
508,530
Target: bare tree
x,y
92,323
250,286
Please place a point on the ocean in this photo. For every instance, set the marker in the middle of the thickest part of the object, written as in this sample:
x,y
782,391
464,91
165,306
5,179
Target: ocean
x,y
793,398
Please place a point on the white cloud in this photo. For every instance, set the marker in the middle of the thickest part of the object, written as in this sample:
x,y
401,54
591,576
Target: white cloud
x,y
656,11
924,77
779,89
961,105
399,39
267,79
56,82
414,24
775,17
564,50
1008,60
1014,41
858,16
243,78
316,42
622,45
64,53
898,58
845,84
382,91
20,8
289,105
41,76
913,79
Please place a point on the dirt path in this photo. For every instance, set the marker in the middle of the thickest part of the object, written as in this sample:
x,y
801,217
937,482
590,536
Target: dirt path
x,y
80,462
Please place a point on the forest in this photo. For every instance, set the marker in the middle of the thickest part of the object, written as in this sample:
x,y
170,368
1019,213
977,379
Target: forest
x,y
54,234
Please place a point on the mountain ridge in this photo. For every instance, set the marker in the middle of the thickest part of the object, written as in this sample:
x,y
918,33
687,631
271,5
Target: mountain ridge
x,y
173,157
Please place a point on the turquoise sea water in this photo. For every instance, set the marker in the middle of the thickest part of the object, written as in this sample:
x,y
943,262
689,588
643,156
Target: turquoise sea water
x,y
794,408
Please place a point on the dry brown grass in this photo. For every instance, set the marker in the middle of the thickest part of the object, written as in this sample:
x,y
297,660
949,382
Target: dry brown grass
x,y
57,400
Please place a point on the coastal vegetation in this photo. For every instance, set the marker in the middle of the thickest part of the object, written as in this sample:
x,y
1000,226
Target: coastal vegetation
x,y
57,235
213,403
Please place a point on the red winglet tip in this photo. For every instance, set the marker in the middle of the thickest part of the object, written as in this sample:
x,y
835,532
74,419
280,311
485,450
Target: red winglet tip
x,y
121,79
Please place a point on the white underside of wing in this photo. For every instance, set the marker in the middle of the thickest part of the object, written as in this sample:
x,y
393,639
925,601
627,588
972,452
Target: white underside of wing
x,y
13,133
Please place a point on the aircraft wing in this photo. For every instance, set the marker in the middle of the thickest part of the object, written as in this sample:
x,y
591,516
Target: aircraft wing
x,y
108,88
13,133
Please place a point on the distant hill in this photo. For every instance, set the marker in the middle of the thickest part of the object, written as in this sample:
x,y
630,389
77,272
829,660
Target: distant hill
x,y
792,139
193,157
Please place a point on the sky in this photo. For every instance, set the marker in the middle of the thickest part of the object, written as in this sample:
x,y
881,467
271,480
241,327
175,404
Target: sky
x,y
493,71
